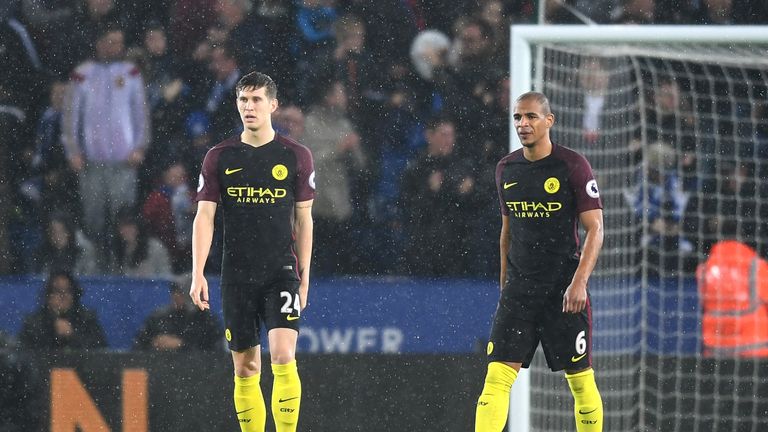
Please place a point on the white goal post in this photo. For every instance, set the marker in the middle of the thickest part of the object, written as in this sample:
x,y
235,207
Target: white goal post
x,y
652,365
524,37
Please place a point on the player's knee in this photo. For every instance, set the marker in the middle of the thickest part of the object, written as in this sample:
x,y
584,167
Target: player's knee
x,y
282,357
247,368
500,374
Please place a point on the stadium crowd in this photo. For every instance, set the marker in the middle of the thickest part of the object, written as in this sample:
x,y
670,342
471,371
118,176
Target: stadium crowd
x,y
108,107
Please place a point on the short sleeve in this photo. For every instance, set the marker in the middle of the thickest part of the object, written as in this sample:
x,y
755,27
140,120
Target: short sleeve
x,y
586,192
305,177
208,183
502,204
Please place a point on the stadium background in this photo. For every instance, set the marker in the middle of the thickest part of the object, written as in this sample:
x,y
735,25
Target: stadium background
x,y
420,314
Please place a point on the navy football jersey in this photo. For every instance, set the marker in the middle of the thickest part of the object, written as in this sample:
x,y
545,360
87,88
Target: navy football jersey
x,y
256,189
543,200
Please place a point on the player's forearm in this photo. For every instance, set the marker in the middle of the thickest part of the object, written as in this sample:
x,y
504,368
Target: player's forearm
x,y
303,228
592,245
202,236
503,250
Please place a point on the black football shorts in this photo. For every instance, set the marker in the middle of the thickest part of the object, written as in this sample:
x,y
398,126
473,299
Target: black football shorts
x,y
522,321
275,303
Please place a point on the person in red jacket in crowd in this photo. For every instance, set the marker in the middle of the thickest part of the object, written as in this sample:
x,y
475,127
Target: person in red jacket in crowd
x,y
169,212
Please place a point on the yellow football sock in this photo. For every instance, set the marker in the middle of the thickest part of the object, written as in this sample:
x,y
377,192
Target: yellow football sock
x,y
249,404
286,396
588,406
493,404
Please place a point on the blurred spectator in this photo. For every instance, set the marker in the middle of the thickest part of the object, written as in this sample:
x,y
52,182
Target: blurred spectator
x,y
289,121
465,78
438,197
429,50
258,41
55,183
338,160
48,22
169,100
135,252
160,71
64,247
750,12
441,14
79,42
429,56
390,25
718,12
593,79
169,211
61,322
106,132
353,64
635,12
225,121
11,141
197,127
21,76
493,14
474,61
678,11
659,203
179,326
189,20
672,121
314,21
731,212
20,390
402,138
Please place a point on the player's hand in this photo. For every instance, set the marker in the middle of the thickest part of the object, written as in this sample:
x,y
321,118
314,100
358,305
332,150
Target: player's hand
x,y
575,297
199,292
303,294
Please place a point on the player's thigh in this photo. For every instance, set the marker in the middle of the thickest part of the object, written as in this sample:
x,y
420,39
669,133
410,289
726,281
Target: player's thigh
x,y
281,306
513,332
282,345
566,338
241,320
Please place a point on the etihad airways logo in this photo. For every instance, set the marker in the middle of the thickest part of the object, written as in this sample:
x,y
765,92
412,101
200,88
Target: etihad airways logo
x,y
253,195
533,209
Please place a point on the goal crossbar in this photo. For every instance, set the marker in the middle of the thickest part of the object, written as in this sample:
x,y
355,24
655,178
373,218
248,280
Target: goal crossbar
x,y
522,37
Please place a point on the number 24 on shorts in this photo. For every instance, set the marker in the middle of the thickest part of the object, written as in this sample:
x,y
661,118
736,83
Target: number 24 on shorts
x,y
287,309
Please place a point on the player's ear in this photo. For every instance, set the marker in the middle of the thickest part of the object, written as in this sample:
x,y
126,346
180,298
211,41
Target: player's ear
x,y
273,105
550,120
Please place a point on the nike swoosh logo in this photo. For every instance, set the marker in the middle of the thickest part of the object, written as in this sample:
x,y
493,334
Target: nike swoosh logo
x,y
575,359
291,318
240,412
587,412
232,171
296,397
509,185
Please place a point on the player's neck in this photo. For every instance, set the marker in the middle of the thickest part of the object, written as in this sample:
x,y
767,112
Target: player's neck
x,y
259,137
538,151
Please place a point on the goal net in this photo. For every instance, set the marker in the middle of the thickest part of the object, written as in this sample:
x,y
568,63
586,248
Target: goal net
x,y
675,125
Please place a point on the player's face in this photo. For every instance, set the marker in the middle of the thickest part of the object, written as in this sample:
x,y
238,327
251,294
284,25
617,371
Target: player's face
x,y
255,108
531,123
